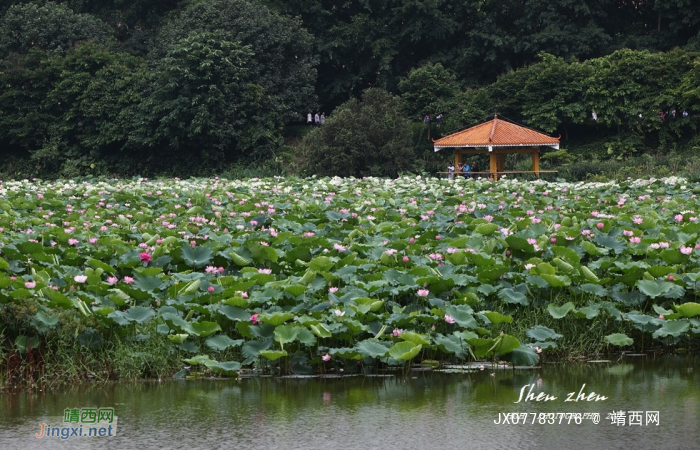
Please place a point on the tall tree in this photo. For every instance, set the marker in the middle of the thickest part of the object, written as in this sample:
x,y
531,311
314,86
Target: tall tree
x,y
367,137
51,27
204,105
283,63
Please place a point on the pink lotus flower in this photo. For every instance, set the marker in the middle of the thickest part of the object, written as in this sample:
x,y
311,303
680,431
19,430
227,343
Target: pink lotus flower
x,y
30,284
73,241
600,225
128,280
678,217
265,271
80,278
145,257
211,270
326,357
333,290
449,318
112,280
635,240
686,250
423,292
405,259
339,247
397,332
338,312
661,316
211,289
254,319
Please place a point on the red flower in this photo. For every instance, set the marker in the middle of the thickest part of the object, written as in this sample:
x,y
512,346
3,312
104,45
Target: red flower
x,y
146,257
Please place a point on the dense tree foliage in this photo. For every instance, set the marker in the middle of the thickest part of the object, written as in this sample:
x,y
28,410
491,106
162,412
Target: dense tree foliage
x,y
367,137
51,27
191,86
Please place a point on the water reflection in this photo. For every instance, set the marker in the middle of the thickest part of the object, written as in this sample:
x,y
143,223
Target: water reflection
x,y
432,411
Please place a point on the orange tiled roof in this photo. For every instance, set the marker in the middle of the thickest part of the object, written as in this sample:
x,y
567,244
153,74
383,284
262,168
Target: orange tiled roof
x,y
496,133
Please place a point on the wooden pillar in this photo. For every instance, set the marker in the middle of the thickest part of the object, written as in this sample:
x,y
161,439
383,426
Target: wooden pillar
x,y
501,162
536,161
493,166
458,158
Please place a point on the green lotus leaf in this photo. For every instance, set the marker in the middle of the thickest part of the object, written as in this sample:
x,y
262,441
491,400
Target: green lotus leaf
x,y
57,299
285,334
452,344
251,349
229,368
559,312
221,342
690,309
655,288
520,244
497,318
199,359
522,356
673,256
542,333
672,328
275,319
556,280
482,347
462,314
320,330
372,348
619,339
507,344
567,254
486,229
234,312
295,289
588,312
511,296
201,329
404,351
595,289
178,338
273,355
306,337
321,264
140,314
345,353
416,338
196,257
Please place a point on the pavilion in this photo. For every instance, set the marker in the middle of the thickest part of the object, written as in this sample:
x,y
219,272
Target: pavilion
x,y
497,138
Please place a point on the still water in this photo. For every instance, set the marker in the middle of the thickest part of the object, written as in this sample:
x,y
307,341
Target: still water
x,y
660,399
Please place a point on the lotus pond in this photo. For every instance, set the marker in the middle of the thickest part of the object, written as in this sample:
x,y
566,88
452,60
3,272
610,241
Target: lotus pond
x,y
340,274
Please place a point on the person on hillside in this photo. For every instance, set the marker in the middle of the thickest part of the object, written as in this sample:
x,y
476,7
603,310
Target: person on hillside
x,y
323,118
309,119
317,119
438,119
426,119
